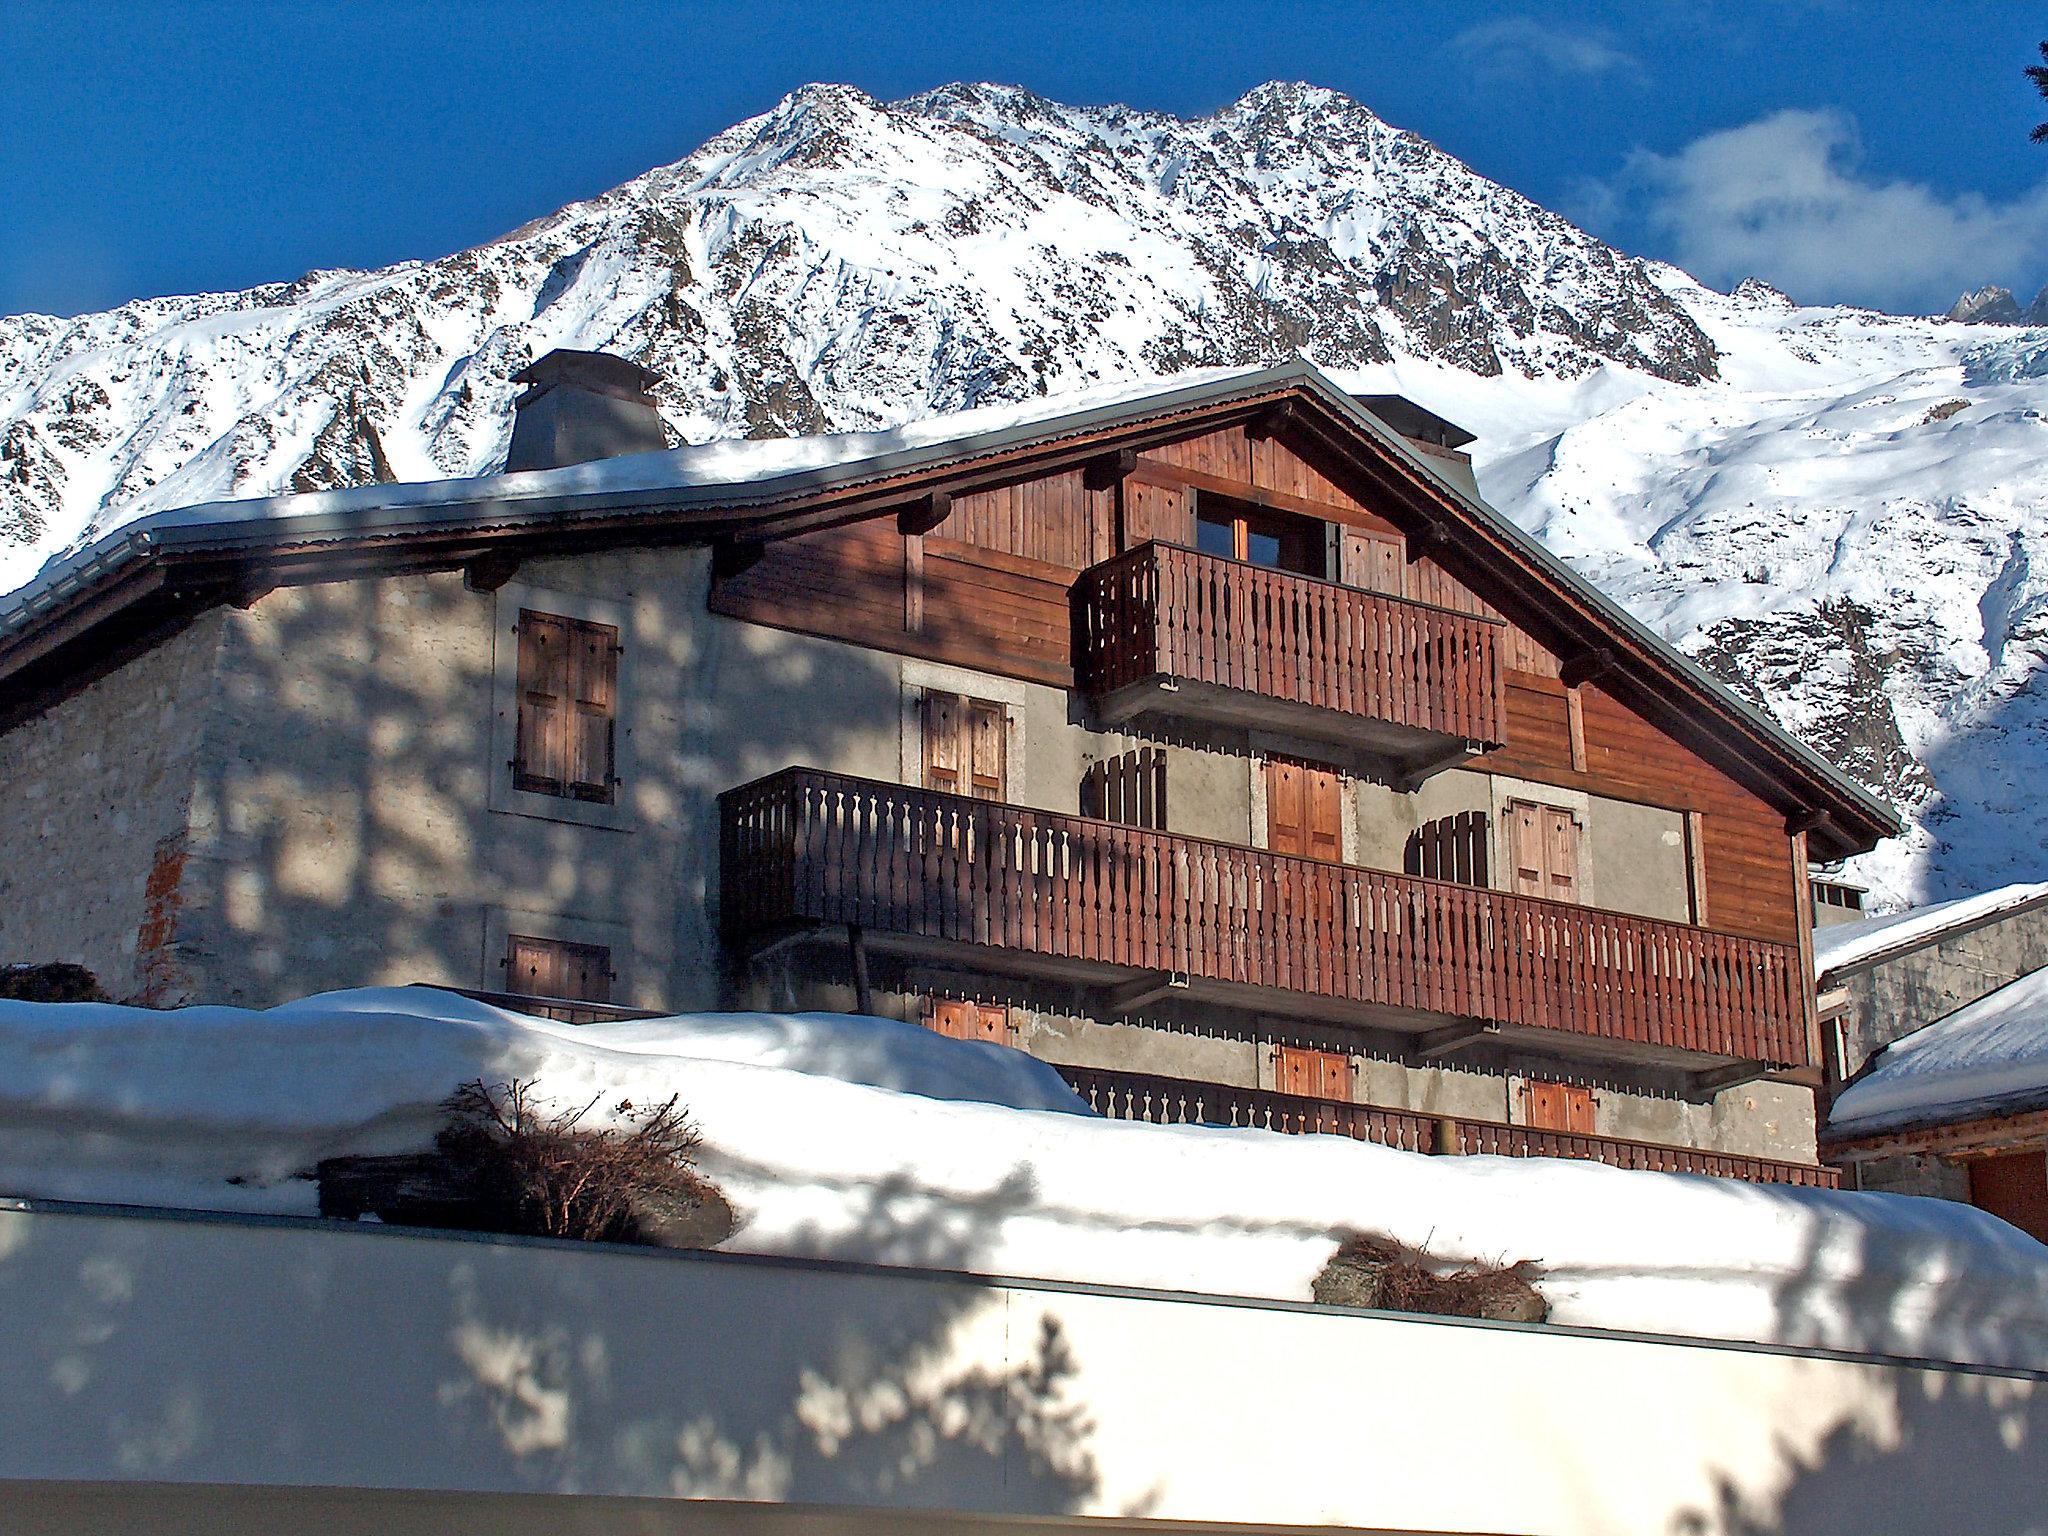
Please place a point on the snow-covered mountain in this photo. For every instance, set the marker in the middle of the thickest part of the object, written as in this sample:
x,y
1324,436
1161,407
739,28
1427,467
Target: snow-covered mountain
x,y
1852,508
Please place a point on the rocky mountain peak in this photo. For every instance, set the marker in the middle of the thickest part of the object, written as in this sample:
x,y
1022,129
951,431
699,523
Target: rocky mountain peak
x,y
1986,306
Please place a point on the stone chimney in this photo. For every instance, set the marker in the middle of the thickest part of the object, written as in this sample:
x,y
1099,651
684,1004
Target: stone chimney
x,y
580,406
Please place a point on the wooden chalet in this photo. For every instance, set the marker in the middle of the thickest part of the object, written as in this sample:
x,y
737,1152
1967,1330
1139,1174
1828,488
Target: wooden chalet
x,y
1215,742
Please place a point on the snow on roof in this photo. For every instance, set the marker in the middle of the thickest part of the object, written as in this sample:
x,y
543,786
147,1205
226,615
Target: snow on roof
x,y
1840,946
1988,1057
719,466
873,1140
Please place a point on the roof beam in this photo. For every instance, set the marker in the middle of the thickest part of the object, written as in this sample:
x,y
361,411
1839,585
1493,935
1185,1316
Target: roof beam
x,y
1454,1037
925,514
1109,471
1145,991
1586,666
1271,422
490,570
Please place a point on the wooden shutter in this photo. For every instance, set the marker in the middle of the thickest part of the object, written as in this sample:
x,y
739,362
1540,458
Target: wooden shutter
x,y
568,703
1165,513
1565,1107
1451,848
1374,561
557,968
969,1021
966,746
1313,1073
540,760
593,688
1129,789
1543,850
1304,810
986,750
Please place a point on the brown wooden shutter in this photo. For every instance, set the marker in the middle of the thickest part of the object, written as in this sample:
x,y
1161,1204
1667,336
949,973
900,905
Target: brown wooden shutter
x,y
1451,848
1286,813
1374,561
942,745
987,750
1129,789
966,746
1565,1107
1325,815
1526,857
1543,845
557,968
969,1021
593,692
541,753
1561,834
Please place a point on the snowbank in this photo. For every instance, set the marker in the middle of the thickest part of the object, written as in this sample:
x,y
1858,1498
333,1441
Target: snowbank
x,y
874,1140
1986,1056
1844,944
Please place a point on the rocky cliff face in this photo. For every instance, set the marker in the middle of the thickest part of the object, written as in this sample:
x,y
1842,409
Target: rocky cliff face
x,y
1844,507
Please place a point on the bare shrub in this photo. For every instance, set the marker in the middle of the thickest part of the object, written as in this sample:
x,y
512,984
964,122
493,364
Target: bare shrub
x,y
1368,1270
539,1171
57,981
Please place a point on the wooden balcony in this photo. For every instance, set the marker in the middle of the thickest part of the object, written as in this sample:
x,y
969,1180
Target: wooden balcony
x,y
1166,630
1039,892
1179,1101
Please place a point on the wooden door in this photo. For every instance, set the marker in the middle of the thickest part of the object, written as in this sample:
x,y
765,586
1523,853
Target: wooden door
x,y
969,1021
966,746
2013,1186
1315,1074
1548,1106
1543,850
1304,810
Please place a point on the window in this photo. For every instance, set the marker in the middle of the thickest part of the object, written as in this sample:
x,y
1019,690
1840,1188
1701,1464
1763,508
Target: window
x,y
1548,1106
1130,789
1304,810
1277,540
966,746
557,968
1449,848
568,685
1543,850
969,1021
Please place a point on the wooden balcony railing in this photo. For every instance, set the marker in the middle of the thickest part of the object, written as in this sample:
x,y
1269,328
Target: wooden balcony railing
x,y
805,847
1163,612
1179,1101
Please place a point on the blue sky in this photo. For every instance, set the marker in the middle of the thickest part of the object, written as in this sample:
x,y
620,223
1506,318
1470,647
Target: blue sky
x,y
1873,152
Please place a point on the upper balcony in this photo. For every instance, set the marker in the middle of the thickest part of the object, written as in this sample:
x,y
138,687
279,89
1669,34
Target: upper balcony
x,y
1038,892
1166,630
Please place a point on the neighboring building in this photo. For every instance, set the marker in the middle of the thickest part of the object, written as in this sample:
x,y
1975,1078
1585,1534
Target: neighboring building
x,y
1213,741
1885,978
1966,1095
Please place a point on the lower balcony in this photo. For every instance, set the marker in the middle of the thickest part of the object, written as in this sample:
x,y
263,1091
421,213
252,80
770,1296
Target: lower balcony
x,y
1036,892
1178,1101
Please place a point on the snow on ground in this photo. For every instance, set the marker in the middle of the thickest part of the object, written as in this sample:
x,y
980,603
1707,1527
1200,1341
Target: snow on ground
x,y
874,1140
1987,1056
1845,944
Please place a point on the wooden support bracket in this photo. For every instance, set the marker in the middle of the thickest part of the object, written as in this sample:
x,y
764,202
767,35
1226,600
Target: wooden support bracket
x,y
1716,1079
1414,775
1270,422
1423,537
490,570
1107,472
924,515
732,557
857,955
1143,992
1453,1037
1586,666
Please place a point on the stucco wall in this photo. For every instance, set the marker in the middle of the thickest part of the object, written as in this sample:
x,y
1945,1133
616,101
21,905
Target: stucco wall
x,y
359,1358
93,821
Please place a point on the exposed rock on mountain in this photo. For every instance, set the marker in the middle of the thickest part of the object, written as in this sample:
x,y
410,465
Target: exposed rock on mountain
x,y
1851,506
1987,306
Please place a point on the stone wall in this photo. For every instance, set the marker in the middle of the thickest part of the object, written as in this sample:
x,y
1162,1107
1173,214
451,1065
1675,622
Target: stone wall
x,y
93,824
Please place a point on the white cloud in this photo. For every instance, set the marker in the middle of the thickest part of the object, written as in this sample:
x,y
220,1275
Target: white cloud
x,y
1522,44
1785,198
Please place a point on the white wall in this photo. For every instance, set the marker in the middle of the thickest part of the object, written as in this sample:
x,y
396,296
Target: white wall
x,y
147,1354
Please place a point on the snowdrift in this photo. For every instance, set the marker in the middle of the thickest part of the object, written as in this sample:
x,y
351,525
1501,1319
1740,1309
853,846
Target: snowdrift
x,y
874,1140
1988,1057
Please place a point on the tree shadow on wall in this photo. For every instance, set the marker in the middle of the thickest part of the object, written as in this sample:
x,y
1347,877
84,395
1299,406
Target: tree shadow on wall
x,y
371,1359
1911,1448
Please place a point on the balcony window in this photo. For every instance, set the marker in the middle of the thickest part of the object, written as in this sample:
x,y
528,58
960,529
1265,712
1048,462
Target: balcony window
x,y
1278,541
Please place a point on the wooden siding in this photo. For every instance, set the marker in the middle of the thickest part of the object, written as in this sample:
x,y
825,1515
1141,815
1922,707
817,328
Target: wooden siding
x,y
988,590
805,847
1118,1095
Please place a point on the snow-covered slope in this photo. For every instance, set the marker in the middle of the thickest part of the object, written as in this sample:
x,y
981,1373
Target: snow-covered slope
x,y
874,1140
1847,505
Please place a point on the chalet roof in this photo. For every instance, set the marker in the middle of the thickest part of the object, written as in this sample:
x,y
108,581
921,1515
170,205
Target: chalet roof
x,y
1988,1059
1844,949
720,487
